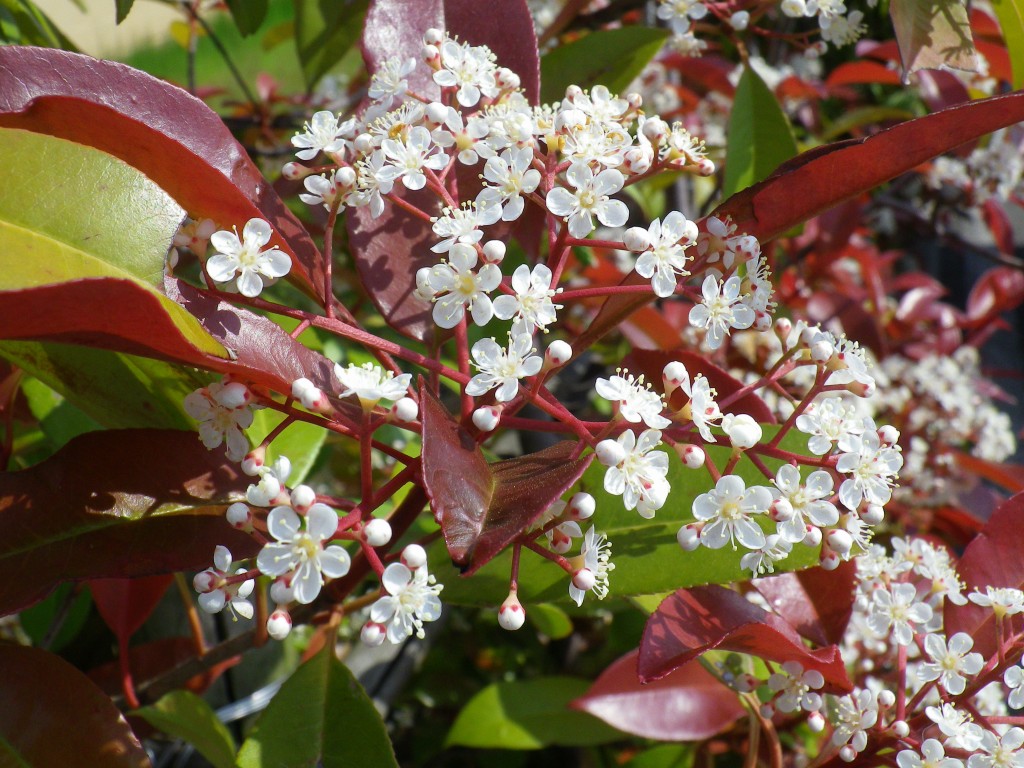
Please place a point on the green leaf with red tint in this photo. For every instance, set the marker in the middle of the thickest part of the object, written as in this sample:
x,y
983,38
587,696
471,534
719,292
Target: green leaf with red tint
x,y
54,715
688,704
692,621
114,504
169,135
817,603
995,558
482,507
932,35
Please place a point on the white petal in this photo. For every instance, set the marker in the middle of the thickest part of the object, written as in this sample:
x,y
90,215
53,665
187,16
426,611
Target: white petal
x,y
283,524
335,561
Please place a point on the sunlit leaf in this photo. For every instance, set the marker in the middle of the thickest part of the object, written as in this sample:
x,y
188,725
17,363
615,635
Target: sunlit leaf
x,y
933,34
1011,21
184,715
324,33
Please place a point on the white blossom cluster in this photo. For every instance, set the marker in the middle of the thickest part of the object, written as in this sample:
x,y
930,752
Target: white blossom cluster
x,y
993,170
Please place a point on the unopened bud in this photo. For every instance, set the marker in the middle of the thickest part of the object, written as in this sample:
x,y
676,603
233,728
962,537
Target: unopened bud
x,y
742,430
433,36
634,99
295,171
705,167
511,615
233,395
584,579
558,353
505,78
405,409
638,160
345,178
239,516
494,251
363,143
377,532
745,683
254,460
900,728
610,453
486,418
430,54
373,634
816,722
693,456
674,374
436,112
822,351
414,556
889,435
689,537
886,698
303,497
781,510
762,321
582,506
281,592
873,514
265,492
637,239
828,559
279,625
783,327
205,581
847,754
839,541
739,20
813,536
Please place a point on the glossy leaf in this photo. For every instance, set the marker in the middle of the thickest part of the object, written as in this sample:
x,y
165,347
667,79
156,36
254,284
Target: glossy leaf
x,y
817,603
184,715
688,704
528,714
933,34
111,505
995,558
609,57
169,135
550,620
693,621
1011,22
248,14
759,136
483,507
53,715
321,713
325,30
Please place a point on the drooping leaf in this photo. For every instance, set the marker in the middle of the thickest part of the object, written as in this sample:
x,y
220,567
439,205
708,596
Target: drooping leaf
x,y
528,714
995,558
42,695
759,136
169,135
933,34
609,57
184,715
123,7
692,621
817,603
119,503
688,704
1011,22
248,14
325,30
322,714
483,507
125,604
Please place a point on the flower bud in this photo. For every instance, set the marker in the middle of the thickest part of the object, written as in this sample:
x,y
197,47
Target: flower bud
x,y
655,129
373,634
689,537
431,55
634,99
205,581
279,625
742,430
816,722
822,351
265,492
436,112
582,506
886,698
584,579
345,178
511,615
414,556
377,532
693,456
234,394
705,167
433,36
783,327
561,542
300,387
405,409
889,435
239,516
674,374
295,171
281,592
610,453
828,559
794,8
739,20
558,353
839,541
745,683
494,251
253,461
873,514
486,417
813,536
847,754
363,143
303,497
505,78
762,321
637,239
900,728
781,510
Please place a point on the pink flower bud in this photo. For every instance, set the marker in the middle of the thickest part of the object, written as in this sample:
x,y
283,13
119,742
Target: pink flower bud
x,y
873,514
511,615
494,251
254,460
886,698
889,435
610,453
558,353
486,417
705,167
506,79
781,510
847,754
634,99
377,532
303,497
279,625
783,327
584,579
414,556
816,722
828,559
813,536
689,537
637,239
674,374
373,634
295,171
405,409
239,516
233,395
762,321
205,581
582,506
839,541
433,36
345,178
431,55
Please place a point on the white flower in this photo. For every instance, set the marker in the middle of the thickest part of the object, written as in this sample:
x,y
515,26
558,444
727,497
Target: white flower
x,y
899,609
216,593
827,422
409,156
665,257
322,134
503,368
300,550
1001,751
375,179
808,502
531,306
411,600
636,401
872,467
462,225
720,241
470,68
843,30
679,12
640,477
721,309
245,257
794,685
456,286
590,199
855,713
1004,601
513,177
1014,679
371,383
389,81
950,663
960,732
728,513
743,432
763,560
595,556
220,422
934,756
702,409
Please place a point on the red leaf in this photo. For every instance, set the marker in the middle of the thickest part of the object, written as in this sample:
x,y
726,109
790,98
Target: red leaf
x,y
994,559
692,621
651,363
999,225
816,602
999,290
482,507
1010,477
125,604
856,72
688,704
154,126
115,504
54,715
151,660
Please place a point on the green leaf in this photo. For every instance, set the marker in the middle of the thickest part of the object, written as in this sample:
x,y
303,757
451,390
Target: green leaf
x,y
320,713
1010,14
34,26
71,608
933,34
300,442
760,138
185,716
325,30
550,620
124,7
647,557
248,14
529,714
665,756
610,57
60,420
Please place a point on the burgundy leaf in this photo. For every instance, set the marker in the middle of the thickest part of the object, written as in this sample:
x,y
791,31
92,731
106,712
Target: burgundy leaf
x,y
156,658
482,507
999,290
125,604
687,704
995,558
52,714
169,135
651,363
692,621
817,603
999,225
115,504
